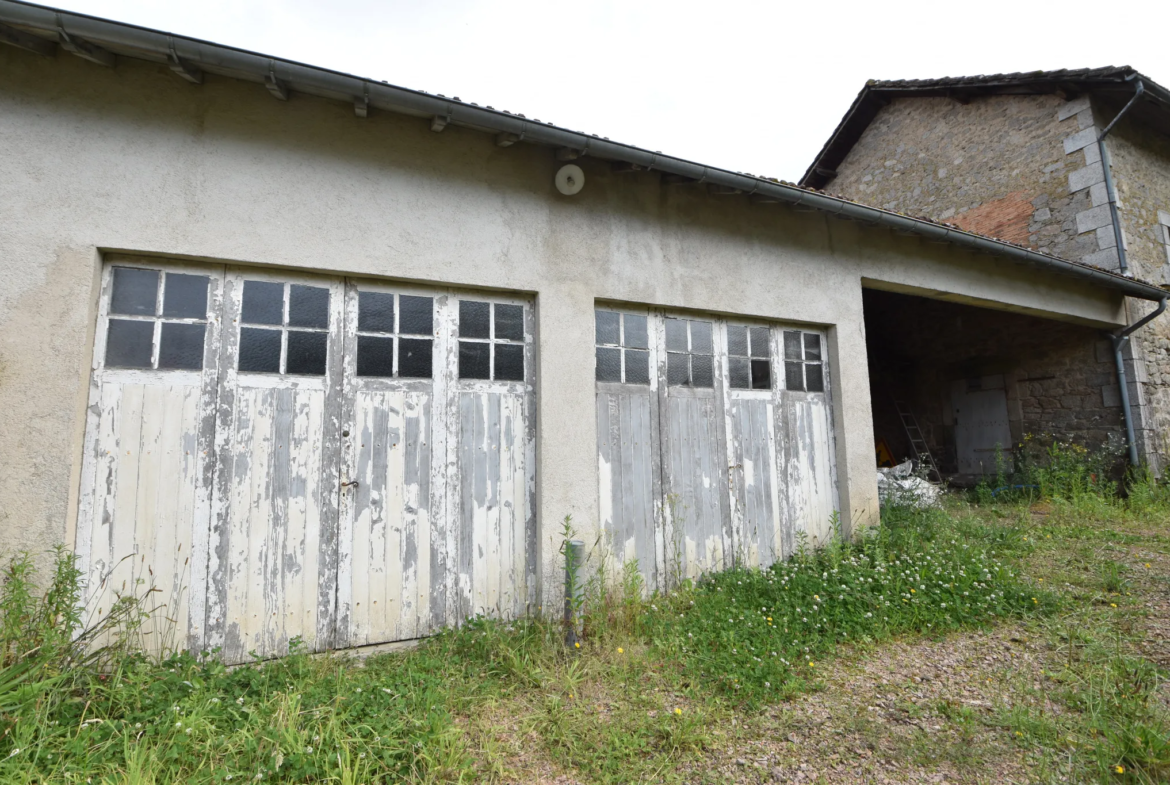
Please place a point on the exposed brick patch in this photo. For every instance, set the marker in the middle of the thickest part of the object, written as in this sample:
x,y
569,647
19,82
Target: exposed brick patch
x,y
1007,218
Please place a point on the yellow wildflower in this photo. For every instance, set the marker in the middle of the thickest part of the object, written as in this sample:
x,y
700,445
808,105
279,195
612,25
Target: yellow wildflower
x,y
1112,605
577,644
811,664
678,711
621,650
1119,769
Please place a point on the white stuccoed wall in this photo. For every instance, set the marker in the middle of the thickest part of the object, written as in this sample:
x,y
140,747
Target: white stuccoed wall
x,y
135,159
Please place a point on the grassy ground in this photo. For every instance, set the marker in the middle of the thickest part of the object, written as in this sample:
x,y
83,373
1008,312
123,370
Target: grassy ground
x,y
1002,642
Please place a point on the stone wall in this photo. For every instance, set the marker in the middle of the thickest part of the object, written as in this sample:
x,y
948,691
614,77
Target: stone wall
x,y
1141,171
1059,377
997,165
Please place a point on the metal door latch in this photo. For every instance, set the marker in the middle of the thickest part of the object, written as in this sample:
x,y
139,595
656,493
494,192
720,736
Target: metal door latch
x,y
354,483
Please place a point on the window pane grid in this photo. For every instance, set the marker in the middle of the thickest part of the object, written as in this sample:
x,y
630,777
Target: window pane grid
x,y
157,320
284,328
622,353
803,362
395,335
749,357
689,359
492,339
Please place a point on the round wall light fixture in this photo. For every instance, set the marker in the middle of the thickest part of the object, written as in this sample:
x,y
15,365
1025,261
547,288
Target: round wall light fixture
x,y
570,179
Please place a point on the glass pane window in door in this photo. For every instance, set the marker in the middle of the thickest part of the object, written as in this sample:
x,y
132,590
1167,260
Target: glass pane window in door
x,y
263,303
622,342
294,338
158,319
749,357
492,341
689,361
383,318
803,362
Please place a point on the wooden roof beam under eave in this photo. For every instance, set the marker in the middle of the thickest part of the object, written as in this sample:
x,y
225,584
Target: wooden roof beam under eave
x,y
27,41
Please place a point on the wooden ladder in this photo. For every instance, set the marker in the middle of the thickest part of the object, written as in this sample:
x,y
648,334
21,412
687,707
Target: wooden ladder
x,y
917,441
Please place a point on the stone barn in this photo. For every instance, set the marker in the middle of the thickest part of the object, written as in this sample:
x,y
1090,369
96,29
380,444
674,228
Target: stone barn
x,y
1071,163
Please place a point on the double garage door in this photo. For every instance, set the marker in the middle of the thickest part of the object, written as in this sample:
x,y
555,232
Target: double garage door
x,y
715,442
273,457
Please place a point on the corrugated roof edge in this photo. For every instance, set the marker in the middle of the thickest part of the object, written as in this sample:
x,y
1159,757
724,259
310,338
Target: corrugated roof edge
x,y
333,84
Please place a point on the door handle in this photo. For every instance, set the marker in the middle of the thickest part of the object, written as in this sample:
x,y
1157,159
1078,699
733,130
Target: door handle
x,y
354,483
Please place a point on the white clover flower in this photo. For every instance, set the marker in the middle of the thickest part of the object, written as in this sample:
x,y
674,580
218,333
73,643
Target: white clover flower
x,y
240,701
308,750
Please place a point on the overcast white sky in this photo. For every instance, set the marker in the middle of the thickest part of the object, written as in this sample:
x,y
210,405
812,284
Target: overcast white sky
x,y
751,86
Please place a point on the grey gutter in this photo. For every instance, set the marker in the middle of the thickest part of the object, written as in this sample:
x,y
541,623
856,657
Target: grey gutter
x,y
185,55
1120,339
1110,189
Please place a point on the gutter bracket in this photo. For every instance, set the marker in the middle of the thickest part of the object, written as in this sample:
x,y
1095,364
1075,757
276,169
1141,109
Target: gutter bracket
x,y
181,67
275,86
361,106
83,49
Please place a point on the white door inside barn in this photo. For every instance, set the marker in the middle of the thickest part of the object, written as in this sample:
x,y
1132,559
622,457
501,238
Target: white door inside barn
x,y
291,457
707,456
982,432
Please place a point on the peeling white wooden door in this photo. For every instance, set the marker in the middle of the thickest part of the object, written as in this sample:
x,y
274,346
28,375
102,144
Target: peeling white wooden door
x,y
392,554
146,472
290,457
721,454
629,483
492,520
272,567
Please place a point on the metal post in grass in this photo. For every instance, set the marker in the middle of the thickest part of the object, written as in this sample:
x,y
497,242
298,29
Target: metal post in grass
x,y
574,557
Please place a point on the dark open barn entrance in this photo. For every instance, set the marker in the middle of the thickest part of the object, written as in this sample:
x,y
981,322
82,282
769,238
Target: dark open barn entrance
x,y
967,383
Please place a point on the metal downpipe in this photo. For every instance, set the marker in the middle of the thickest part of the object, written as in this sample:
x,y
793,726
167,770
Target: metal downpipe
x,y
1110,189
1119,339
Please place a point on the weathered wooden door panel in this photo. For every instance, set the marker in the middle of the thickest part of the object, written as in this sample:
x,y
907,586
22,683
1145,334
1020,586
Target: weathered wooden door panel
x,y
626,428
695,489
270,558
491,553
982,431
391,589
392,543
760,517
144,501
273,556
146,473
811,488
